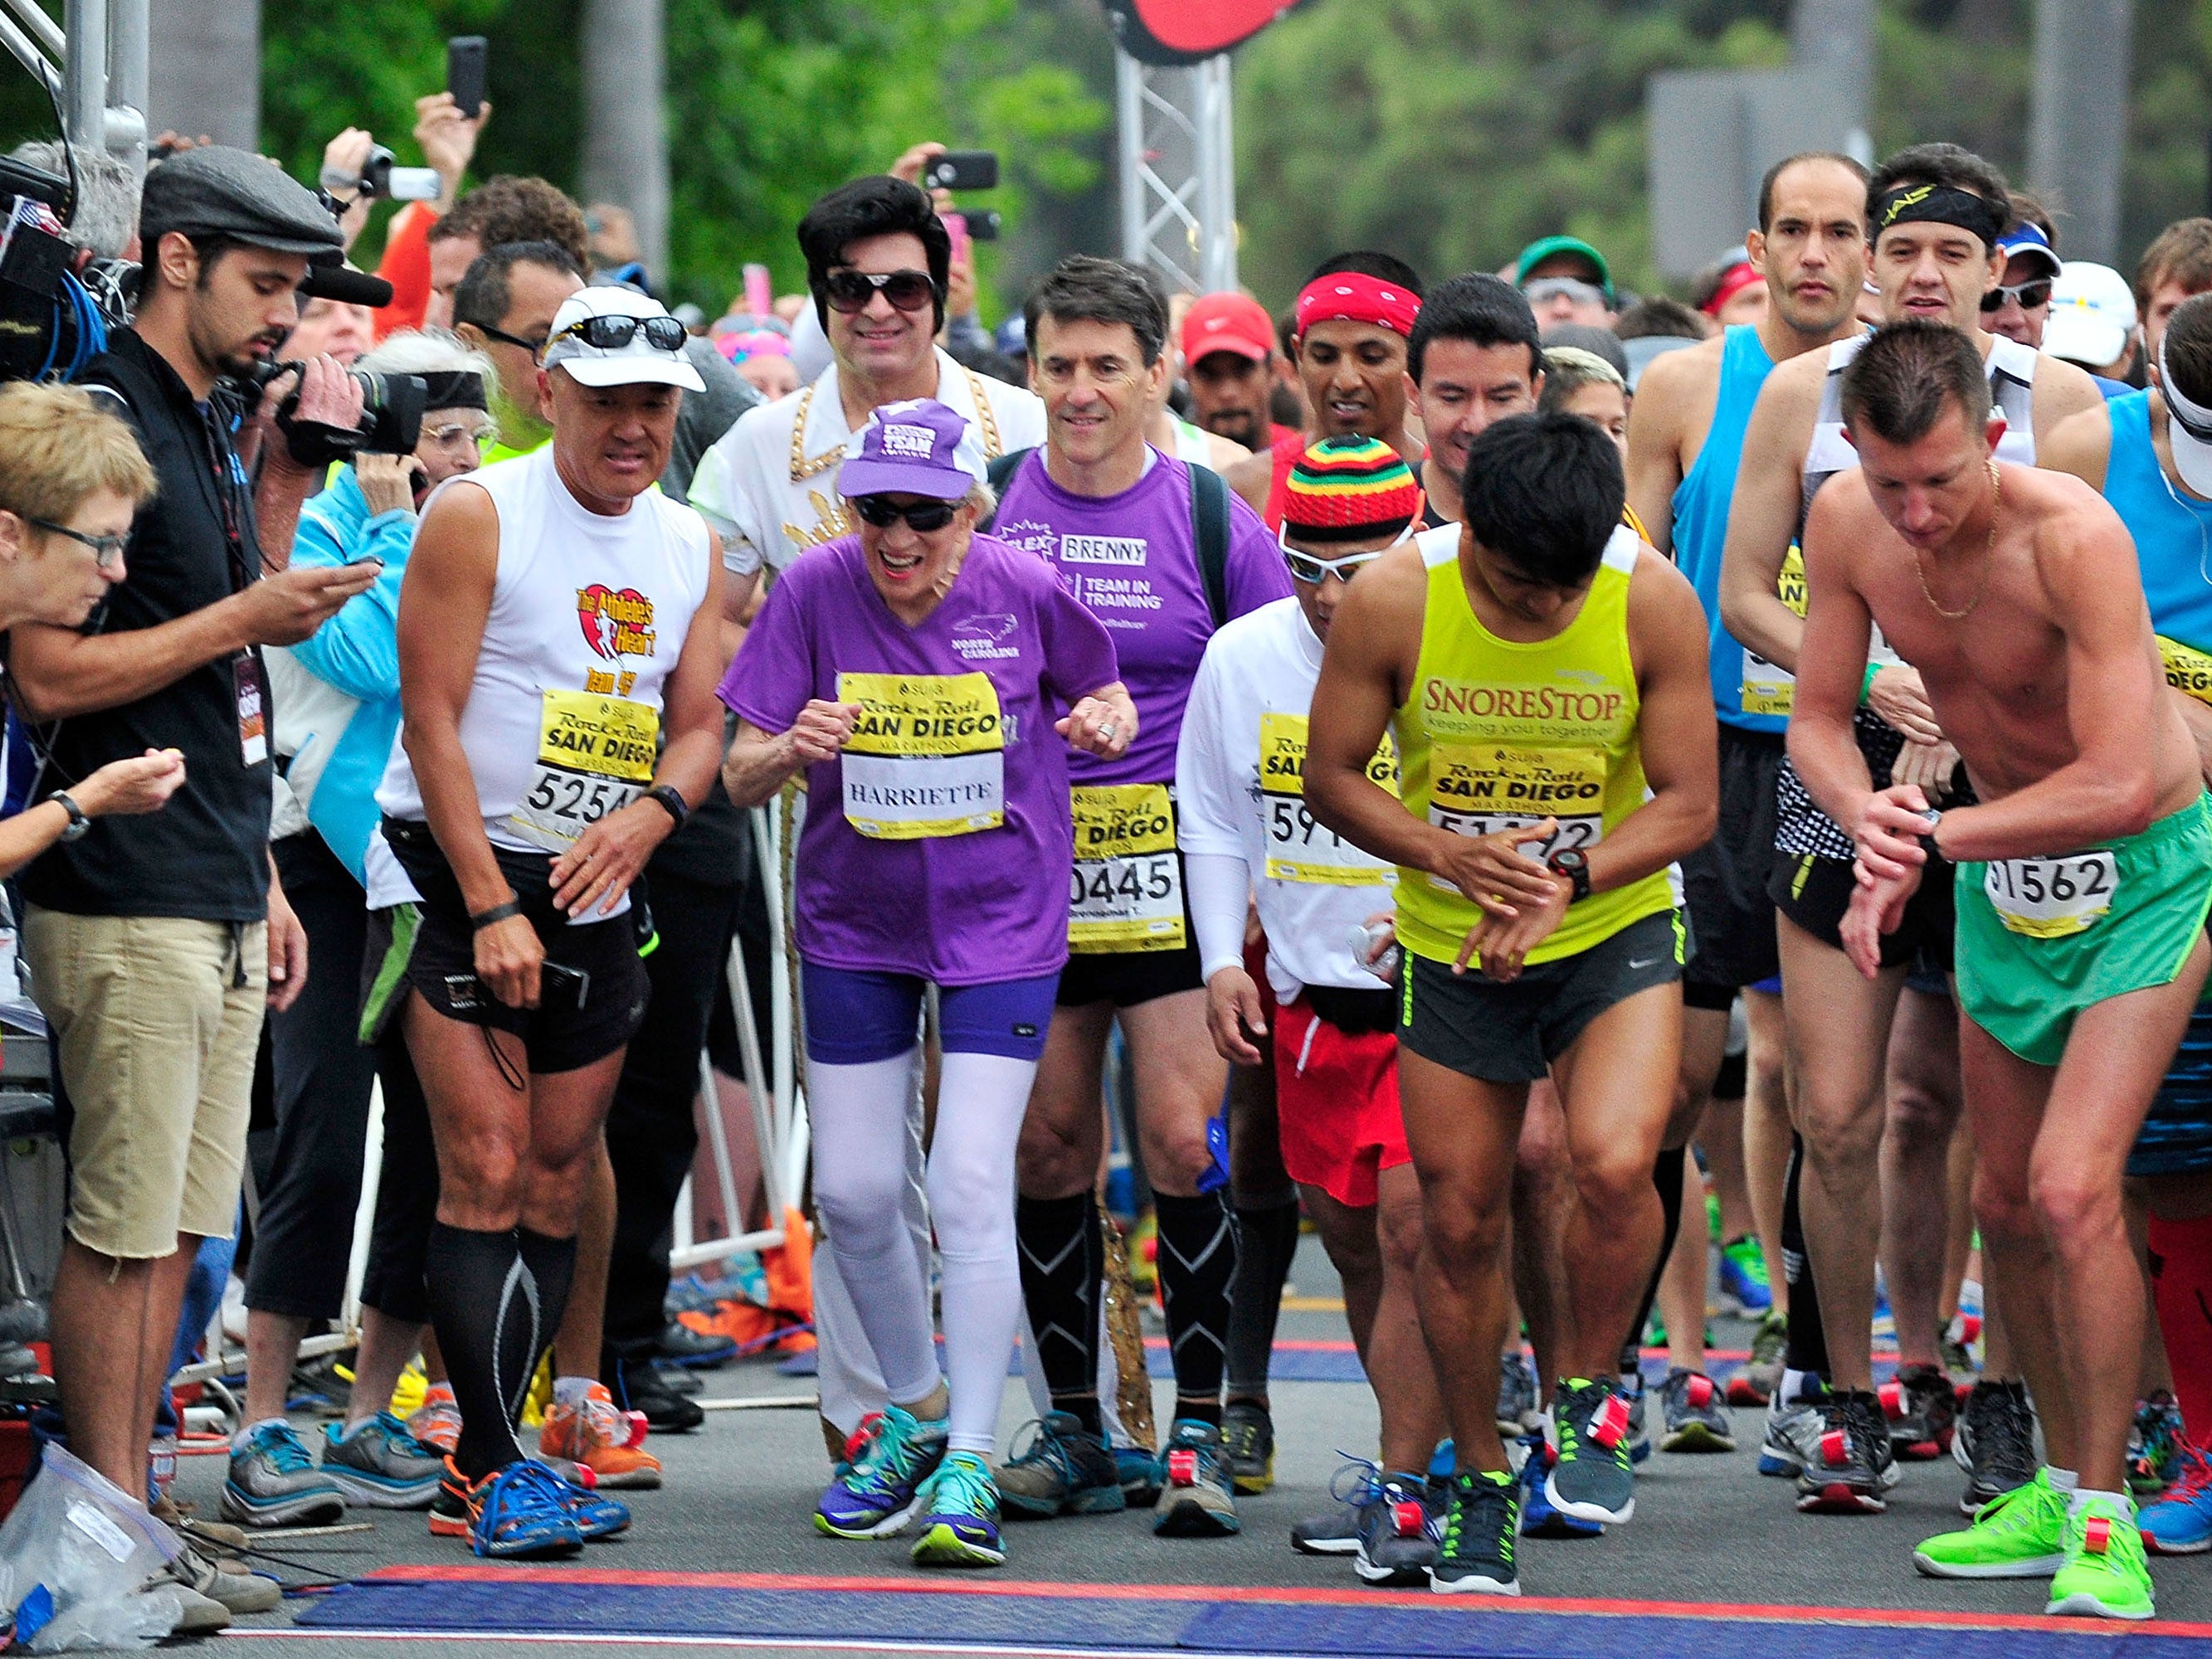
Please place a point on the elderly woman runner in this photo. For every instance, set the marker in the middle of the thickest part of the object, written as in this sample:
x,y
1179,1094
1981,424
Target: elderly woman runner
x,y
920,672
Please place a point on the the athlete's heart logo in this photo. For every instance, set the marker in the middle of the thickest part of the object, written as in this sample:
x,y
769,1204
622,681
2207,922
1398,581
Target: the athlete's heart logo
x,y
615,621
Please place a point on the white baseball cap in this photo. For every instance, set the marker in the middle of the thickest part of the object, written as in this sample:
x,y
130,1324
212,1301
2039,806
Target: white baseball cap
x,y
2093,313
2188,429
637,361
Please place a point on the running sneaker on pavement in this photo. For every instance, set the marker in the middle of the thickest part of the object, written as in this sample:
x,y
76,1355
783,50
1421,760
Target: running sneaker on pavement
x,y
1537,1518
1058,1467
1923,1409
380,1465
1754,1385
1995,1443
1743,1277
1139,1469
606,1439
2022,1534
1693,1419
1639,1431
959,1509
875,1495
595,1516
2154,1443
1851,1471
273,1483
2179,1521
1248,1441
1519,1400
1398,1530
1475,1552
2106,1576
1195,1499
521,1509
1592,1477
437,1421
1792,1438
228,1584
1336,1531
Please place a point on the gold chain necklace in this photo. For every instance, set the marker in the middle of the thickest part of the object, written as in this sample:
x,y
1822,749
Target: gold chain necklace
x,y
1988,555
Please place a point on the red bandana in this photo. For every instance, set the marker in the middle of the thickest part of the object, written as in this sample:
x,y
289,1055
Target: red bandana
x,y
1350,296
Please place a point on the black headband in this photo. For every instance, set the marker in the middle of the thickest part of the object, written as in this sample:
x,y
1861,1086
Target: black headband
x,y
1943,205
460,388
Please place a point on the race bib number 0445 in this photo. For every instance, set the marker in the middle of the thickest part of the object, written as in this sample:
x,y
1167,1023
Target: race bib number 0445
x,y
927,757
2050,898
1298,848
595,756
1126,893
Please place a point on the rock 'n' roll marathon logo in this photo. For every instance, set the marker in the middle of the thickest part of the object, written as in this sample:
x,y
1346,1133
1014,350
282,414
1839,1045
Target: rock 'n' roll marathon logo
x,y
616,621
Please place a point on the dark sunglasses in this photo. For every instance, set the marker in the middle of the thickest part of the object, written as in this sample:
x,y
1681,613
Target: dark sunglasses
x,y
106,550
849,291
613,333
882,511
533,346
2028,294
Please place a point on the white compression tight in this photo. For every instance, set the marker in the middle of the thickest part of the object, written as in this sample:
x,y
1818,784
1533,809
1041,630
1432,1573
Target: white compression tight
x,y
860,1131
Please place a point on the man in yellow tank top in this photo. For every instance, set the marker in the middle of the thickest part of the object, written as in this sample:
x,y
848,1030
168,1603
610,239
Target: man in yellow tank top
x,y
1544,674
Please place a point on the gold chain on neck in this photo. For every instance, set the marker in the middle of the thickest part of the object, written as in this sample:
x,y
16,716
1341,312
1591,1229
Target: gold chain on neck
x,y
1989,557
803,469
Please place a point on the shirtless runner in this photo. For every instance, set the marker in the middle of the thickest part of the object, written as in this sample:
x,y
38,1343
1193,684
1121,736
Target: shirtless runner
x,y
2082,886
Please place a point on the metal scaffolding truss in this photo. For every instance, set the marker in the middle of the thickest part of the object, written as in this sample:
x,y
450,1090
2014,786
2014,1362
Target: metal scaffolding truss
x,y
1178,175
98,58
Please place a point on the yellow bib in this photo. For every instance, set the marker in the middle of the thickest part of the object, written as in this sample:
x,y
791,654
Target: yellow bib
x,y
927,757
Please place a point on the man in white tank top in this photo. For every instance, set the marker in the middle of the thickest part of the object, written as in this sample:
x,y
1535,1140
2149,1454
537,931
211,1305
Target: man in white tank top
x,y
545,646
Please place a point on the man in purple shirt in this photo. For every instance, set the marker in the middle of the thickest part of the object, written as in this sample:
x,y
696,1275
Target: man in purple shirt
x,y
1128,530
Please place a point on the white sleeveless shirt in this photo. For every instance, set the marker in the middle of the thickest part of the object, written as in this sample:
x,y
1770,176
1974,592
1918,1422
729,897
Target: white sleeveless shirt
x,y
588,616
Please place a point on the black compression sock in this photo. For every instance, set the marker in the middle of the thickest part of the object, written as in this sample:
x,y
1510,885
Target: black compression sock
x,y
1267,1239
1198,1263
482,1310
1666,1176
1063,1256
551,1263
1808,1349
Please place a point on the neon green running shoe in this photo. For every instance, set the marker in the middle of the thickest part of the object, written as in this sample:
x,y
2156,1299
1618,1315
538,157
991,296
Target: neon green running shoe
x,y
2106,1576
2022,1534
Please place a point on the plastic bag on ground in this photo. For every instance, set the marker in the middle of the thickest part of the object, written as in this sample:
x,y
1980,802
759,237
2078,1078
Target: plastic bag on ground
x,y
75,1556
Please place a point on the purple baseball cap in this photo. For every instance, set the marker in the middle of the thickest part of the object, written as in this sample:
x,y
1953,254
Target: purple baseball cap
x,y
919,448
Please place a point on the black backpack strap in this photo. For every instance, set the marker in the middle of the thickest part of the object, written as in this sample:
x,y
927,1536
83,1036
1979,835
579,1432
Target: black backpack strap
x,y
999,473
1209,518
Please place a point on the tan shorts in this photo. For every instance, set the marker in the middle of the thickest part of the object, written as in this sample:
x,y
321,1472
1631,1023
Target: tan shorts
x,y
157,1035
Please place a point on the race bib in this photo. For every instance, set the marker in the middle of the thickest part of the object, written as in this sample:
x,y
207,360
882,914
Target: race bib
x,y
2050,898
2186,670
1480,792
1298,848
927,757
1768,688
594,756
1126,893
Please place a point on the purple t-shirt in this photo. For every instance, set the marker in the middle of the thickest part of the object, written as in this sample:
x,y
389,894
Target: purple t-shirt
x,y
910,888
1132,560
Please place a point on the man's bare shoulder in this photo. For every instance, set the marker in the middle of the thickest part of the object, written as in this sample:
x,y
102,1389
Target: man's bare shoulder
x,y
2078,535
1841,519
1676,378
1251,478
2061,390
2082,445
1795,384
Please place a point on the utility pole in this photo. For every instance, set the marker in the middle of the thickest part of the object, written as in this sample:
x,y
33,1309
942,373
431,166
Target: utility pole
x,y
2078,130
1837,38
625,123
204,70
1178,176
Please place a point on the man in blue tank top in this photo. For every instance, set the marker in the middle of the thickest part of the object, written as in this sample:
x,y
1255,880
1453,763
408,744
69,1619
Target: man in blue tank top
x,y
1685,438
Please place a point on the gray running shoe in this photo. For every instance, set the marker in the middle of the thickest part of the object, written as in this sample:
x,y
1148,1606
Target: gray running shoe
x,y
1195,1498
224,1583
1695,1421
1995,1443
381,1466
1793,1438
273,1483
1592,1477
1248,1441
1399,1526
1520,1408
1336,1531
1482,1524
1853,1469
1061,1468
1754,1385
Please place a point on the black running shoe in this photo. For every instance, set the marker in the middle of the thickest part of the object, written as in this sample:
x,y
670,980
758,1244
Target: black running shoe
x,y
1398,1531
1592,1476
1854,1471
1995,1443
1248,1442
1481,1523
1922,1413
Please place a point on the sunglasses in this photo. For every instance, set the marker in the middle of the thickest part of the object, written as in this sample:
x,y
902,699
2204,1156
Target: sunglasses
x,y
2026,296
613,333
106,550
1572,287
1308,568
922,518
535,348
849,291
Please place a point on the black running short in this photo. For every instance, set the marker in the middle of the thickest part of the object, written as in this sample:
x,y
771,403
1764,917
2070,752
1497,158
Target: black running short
x,y
1724,883
1814,892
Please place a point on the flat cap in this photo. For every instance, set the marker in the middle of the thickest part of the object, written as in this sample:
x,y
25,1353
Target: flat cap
x,y
217,190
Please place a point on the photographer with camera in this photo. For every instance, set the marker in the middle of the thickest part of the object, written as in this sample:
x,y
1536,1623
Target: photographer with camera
x,y
336,697
156,942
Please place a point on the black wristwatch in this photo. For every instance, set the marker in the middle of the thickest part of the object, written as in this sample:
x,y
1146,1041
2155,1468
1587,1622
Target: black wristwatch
x,y
78,823
1569,862
673,798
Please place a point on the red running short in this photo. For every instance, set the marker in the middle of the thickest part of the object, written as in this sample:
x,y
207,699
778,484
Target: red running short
x,y
1336,1095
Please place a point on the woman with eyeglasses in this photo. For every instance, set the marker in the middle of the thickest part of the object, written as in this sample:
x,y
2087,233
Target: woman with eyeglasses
x,y
916,672
71,478
336,698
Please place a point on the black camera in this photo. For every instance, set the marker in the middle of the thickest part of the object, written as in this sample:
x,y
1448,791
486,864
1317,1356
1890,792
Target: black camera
x,y
391,417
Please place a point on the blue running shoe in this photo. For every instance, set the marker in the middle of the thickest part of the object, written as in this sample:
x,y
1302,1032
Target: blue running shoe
x,y
876,1496
1336,1532
1139,1470
1444,1462
381,1466
273,1483
596,1515
2179,1521
959,1507
1539,1517
1743,1277
512,1511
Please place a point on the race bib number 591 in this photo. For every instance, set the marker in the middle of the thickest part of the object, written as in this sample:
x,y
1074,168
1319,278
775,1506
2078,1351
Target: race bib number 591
x,y
2050,898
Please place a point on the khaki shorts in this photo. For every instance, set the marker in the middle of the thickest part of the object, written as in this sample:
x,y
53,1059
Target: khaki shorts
x,y
156,1020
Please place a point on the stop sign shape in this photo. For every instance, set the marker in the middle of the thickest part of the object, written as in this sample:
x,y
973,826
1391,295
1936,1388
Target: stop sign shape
x,y
1188,31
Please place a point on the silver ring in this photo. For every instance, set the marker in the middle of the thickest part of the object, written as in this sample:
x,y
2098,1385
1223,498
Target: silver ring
x,y
1106,732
